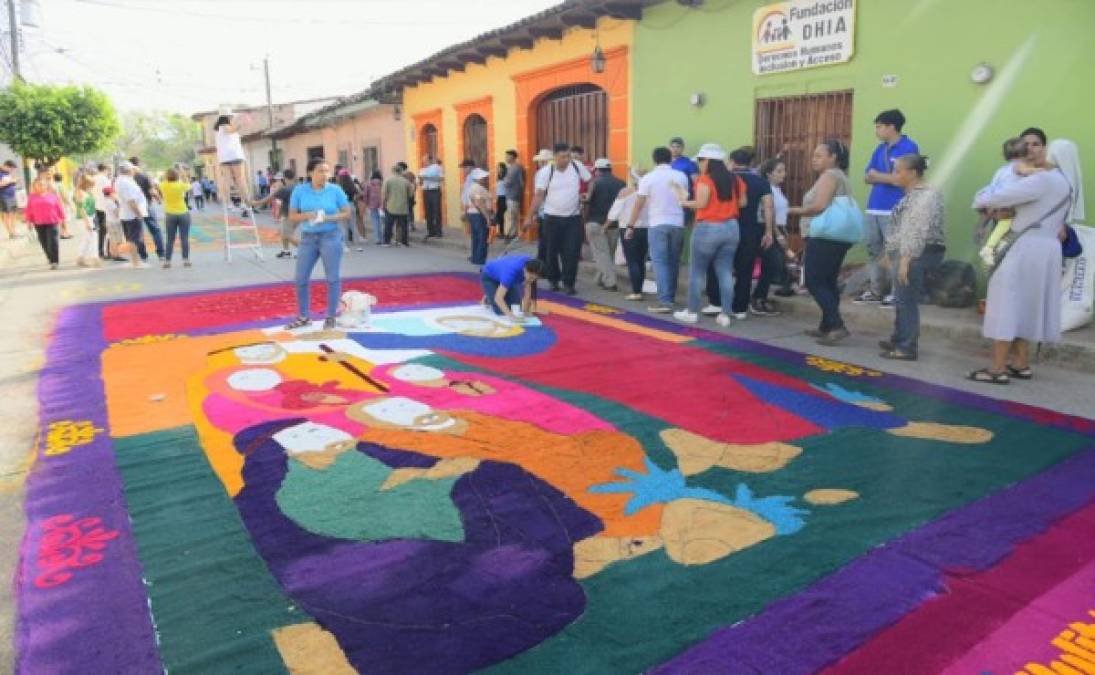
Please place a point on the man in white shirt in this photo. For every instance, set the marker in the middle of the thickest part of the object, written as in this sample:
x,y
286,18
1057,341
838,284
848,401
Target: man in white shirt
x,y
558,187
134,209
430,176
660,190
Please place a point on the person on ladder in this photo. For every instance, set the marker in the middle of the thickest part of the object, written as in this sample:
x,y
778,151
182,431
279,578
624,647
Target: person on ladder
x,y
232,162
318,206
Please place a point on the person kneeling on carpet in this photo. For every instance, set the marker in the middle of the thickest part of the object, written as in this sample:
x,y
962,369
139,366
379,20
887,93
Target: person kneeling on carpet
x,y
509,280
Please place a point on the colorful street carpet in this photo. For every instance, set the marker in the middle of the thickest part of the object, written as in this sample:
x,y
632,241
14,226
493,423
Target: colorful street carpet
x,y
435,490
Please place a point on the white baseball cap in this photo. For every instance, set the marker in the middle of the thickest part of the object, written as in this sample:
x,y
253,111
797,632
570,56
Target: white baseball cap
x,y
711,151
602,163
544,155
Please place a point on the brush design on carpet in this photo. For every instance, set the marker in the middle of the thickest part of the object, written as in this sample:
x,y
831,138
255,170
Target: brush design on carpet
x,y
591,492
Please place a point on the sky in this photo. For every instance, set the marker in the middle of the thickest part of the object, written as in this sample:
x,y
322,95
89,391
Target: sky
x,y
190,55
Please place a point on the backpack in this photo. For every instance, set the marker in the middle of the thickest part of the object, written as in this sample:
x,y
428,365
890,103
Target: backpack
x,y
953,284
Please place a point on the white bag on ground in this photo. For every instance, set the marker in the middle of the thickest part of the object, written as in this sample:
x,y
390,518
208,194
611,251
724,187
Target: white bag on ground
x,y
1078,283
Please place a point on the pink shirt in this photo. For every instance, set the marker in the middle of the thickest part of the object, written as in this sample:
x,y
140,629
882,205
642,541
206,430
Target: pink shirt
x,y
44,209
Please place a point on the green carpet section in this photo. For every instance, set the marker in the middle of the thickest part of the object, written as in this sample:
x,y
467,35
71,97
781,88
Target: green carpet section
x,y
213,601
420,509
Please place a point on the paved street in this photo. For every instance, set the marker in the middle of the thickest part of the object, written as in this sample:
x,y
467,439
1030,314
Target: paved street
x,y
30,296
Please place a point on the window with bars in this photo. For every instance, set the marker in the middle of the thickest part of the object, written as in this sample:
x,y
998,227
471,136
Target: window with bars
x,y
792,126
315,152
577,115
428,140
475,140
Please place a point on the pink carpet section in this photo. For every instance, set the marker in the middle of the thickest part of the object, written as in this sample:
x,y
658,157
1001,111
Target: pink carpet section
x,y
944,629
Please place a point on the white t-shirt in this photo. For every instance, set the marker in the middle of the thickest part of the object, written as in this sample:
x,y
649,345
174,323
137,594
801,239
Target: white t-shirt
x,y
563,196
196,189
101,181
128,191
229,147
664,207
622,208
780,206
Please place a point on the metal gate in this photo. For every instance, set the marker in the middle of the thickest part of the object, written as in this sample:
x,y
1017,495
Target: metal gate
x,y
792,126
576,115
475,140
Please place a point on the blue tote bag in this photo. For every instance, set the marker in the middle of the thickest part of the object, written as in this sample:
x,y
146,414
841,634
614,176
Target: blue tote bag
x,y
841,221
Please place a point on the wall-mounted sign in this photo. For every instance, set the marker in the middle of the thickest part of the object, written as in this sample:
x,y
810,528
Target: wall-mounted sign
x,y
889,81
801,34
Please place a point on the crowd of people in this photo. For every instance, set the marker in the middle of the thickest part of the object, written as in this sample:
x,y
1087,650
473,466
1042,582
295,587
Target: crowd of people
x,y
735,206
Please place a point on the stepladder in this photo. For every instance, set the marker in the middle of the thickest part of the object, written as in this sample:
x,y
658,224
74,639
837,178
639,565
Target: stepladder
x,y
240,231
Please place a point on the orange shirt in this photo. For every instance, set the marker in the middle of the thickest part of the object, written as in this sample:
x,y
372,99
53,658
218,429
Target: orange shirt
x,y
718,211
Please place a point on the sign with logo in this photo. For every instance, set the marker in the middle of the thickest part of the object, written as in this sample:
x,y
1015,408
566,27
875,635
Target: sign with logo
x,y
801,34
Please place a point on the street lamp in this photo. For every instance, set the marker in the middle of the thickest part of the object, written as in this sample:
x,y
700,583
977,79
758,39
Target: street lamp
x,y
597,61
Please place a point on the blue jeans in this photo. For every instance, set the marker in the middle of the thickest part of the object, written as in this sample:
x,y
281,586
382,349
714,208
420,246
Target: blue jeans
x,y
878,226
906,325
713,246
666,242
313,246
490,288
479,234
378,226
178,225
154,230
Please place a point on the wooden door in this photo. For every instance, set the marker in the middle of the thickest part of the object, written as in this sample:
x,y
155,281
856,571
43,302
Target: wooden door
x,y
576,115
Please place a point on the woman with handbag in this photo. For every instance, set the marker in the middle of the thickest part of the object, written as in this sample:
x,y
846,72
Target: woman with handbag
x,y
1023,303
824,254
916,246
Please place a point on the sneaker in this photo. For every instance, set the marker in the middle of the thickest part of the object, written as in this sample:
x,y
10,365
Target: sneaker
x,y
142,265
833,337
684,316
166,264
186,263
633,296
889,302
756,308
711,310
660,309
723,320
53,266
283,254
360,249
866,298
612,288
740,316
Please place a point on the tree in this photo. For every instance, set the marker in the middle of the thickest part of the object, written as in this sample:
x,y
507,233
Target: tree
x,y
45,122
159,139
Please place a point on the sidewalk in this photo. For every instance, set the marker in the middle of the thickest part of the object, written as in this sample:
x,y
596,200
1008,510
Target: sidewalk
x,y
961,327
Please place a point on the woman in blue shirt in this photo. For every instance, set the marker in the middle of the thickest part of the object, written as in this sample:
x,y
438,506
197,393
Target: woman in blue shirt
x,y
318,206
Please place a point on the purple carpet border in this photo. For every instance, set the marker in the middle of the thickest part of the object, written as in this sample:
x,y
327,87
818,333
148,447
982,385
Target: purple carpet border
x,y
839,613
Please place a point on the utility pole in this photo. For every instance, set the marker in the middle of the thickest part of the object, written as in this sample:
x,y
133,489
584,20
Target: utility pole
x,y
275,158
13,27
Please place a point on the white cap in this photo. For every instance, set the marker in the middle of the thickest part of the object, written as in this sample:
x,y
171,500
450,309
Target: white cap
x,y
602,163
711,151
544,155
478,174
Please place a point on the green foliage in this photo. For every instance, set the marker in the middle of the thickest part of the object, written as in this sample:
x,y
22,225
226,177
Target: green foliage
x,y
159,139
45,122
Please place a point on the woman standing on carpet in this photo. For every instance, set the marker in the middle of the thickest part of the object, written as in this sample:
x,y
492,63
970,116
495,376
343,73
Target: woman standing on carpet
x,y
824,257
318,206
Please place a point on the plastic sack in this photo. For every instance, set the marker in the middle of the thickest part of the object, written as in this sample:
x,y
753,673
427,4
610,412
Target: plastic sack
x,y
1078,283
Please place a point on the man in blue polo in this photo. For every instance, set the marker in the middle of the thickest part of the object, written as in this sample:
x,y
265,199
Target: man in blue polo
x,y
884,196
508,281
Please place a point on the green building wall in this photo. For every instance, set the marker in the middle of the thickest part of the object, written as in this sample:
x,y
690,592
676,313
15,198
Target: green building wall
x,y
1043,54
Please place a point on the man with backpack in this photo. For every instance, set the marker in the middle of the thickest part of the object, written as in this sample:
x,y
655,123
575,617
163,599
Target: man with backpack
x,y
558,187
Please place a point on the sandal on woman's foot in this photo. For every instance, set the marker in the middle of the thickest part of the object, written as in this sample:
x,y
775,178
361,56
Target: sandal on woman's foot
x,y
986,376
299,322
897,355
329,323
1021,373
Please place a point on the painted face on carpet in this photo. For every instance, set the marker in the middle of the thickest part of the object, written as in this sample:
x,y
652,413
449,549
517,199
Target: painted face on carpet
x,y
437,489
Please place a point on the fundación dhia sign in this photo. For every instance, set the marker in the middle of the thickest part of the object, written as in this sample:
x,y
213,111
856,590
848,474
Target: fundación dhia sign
x,y
801,34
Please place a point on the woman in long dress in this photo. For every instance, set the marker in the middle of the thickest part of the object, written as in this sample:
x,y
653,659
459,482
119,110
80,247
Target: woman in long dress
x,y
1024,304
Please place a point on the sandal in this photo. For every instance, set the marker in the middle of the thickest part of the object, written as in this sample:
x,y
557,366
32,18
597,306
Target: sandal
x,y
988,377
897,355
299,322
1021,373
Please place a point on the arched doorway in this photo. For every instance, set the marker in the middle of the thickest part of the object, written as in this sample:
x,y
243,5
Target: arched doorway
x,y
428,141
475,140
576,114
